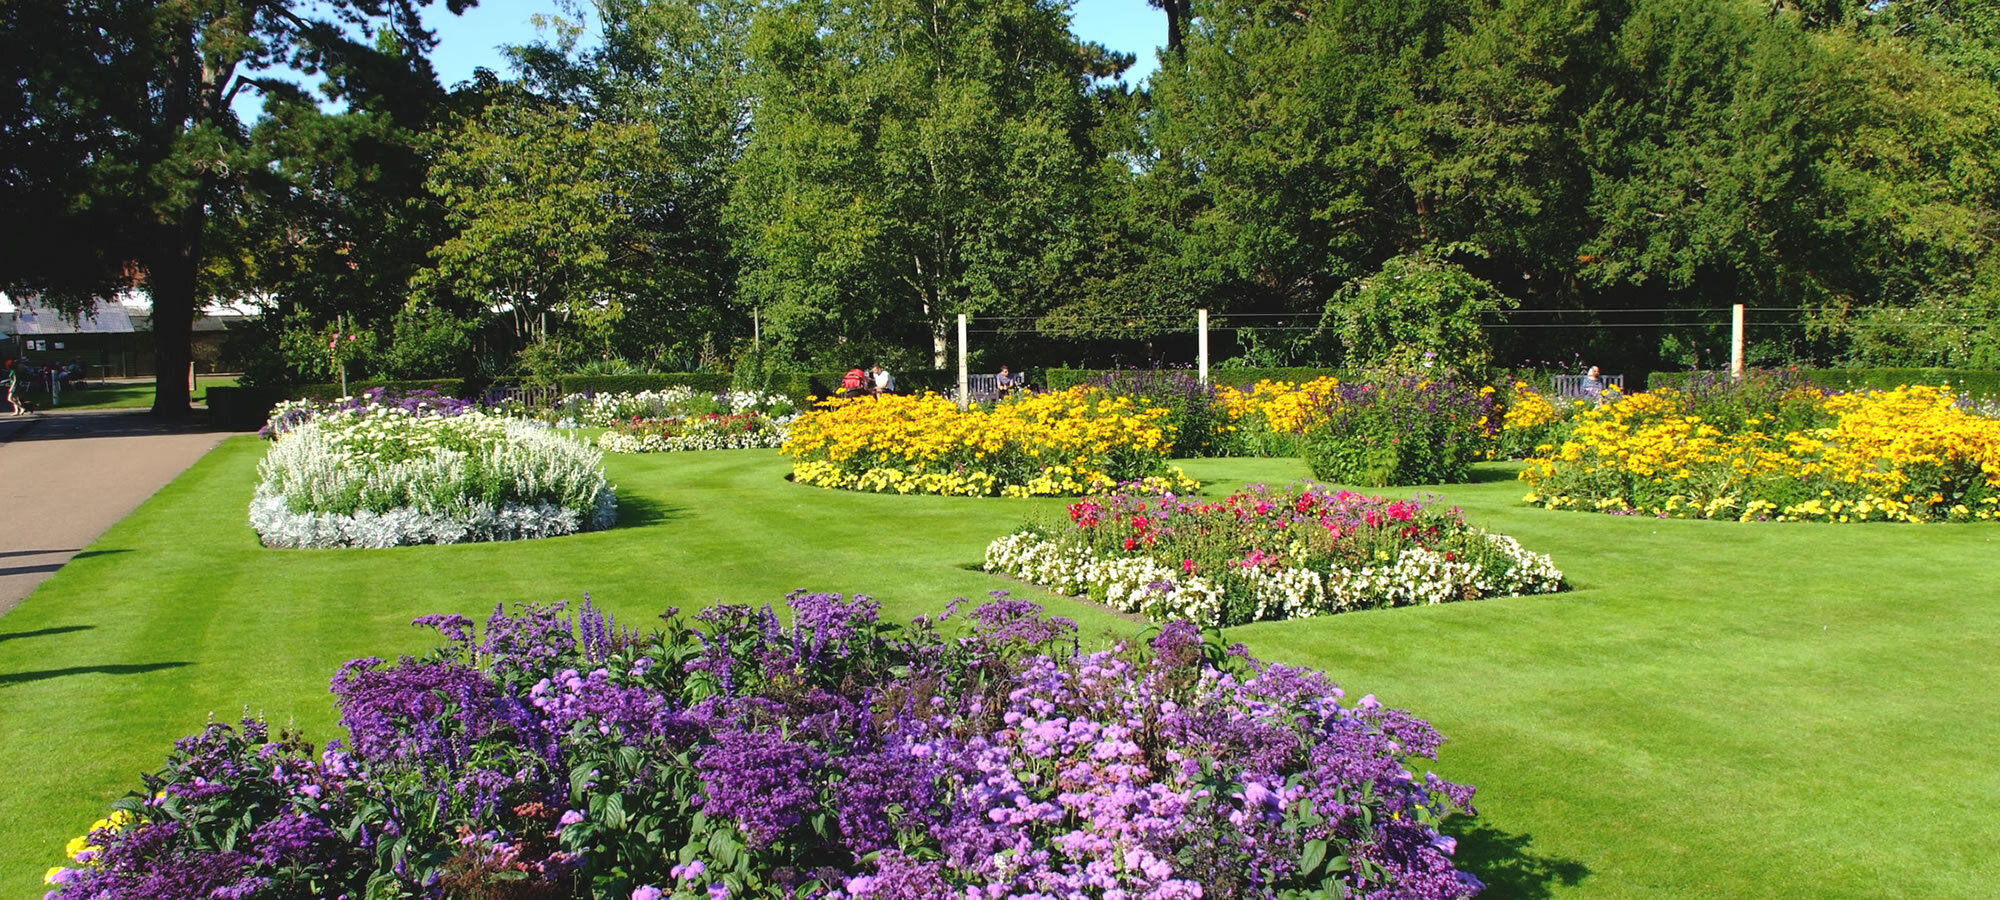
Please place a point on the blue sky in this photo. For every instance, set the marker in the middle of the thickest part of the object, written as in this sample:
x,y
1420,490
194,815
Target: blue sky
x,y
470,41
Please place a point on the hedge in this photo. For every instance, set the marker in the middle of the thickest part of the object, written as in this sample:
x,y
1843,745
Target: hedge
x,y
711,382
1971,382
1060,379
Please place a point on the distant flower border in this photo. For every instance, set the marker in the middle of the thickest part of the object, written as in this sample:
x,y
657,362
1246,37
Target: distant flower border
x,y
1264,554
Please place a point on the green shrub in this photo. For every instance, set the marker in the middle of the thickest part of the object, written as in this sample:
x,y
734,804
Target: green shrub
x,y
1417,309
243,408
1981,383
1407,430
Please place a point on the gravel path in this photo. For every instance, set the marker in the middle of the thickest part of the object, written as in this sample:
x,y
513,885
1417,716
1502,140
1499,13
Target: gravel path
x,y
65,477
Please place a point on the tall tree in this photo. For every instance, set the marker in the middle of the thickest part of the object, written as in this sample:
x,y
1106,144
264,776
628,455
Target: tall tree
x,y
910,160
548,204
1288,129
334,221
679,69
160,145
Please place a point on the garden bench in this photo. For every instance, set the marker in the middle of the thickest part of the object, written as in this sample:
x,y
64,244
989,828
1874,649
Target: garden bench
x,y
1572,385
982,388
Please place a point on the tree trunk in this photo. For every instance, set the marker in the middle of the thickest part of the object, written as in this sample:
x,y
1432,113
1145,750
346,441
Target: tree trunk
x,y
1177,19
171,278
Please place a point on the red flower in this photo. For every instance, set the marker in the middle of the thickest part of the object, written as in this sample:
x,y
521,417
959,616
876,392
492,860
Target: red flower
x,y
1129,543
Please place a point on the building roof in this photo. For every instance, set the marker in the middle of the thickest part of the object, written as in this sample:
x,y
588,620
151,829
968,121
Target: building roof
x,y
135,321
31,318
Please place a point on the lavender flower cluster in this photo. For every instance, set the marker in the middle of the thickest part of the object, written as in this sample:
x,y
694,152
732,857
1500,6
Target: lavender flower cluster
x,y
293,413
837,756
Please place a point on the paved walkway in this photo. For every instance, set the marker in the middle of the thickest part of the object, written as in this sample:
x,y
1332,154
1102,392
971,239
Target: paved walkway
x,y
65,477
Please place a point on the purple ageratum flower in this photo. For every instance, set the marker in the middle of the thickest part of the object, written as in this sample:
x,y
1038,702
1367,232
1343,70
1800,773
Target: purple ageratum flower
x,y
897,877
1177,644
570,817
688,871
647,892
761,780
417,711
634,714
873,784
528,641
826,624
153,861
293,838
1019,622
455,628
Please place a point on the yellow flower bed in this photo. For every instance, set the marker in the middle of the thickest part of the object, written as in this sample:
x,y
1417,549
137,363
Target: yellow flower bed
x,y
1282,407
1064,443
1907,455
1529,409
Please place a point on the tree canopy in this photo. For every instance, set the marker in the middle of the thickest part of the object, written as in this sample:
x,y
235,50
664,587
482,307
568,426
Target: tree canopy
x,y
654,175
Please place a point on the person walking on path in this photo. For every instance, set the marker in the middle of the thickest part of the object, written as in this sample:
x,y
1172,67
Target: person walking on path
x,y
14,389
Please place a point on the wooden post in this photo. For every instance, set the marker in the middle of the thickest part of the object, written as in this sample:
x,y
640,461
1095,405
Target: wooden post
x,y
1202,317
964,380
1736,342
756,330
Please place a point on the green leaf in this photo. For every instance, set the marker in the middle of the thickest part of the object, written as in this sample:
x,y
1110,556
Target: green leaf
x,y
1312,857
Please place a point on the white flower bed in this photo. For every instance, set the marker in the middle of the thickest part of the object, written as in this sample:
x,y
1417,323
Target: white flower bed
x,y
603,410
382,477
1140,584
621,442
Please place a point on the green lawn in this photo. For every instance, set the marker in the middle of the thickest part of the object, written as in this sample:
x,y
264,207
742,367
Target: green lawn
x,y
1717,710
124,395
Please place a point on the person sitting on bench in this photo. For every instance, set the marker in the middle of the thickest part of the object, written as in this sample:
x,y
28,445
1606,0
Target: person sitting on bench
x,y
855,383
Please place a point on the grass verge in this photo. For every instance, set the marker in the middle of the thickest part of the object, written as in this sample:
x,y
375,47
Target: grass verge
x,y
1717,710
123,394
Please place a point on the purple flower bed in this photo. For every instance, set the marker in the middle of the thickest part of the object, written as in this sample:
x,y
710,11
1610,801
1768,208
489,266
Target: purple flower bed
x,y
838,756
292,414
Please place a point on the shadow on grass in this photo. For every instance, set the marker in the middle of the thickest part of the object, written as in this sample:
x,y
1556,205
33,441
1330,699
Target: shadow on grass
x,y
116,669
1510,866
1493,476
90,553
44,632
638,512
